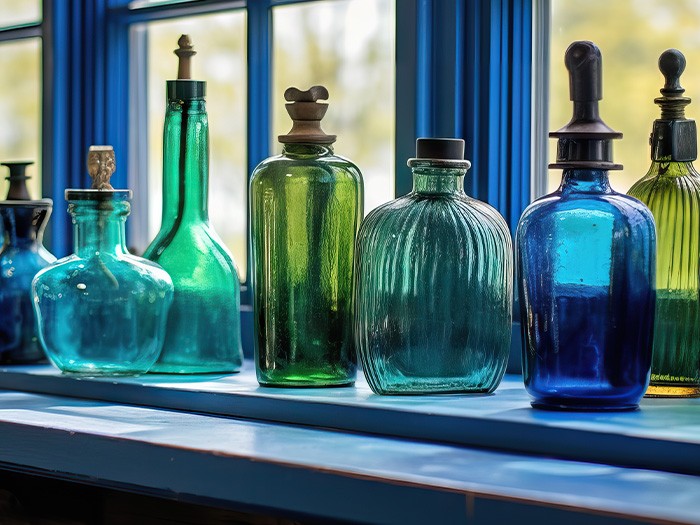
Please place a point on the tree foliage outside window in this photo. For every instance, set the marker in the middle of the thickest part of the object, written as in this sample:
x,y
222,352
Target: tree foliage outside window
x,y
631,35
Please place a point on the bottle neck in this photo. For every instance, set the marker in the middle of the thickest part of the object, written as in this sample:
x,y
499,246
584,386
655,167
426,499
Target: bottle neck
x,y
585,181
305,151
438,181
100,230
185,162
24,226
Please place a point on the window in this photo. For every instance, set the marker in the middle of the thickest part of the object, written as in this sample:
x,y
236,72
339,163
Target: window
x,y
20,83
631,78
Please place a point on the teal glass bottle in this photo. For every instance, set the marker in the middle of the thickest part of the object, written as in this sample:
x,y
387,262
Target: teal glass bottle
x,y
101,310
434,284
21,257
203,334
305,206
671,189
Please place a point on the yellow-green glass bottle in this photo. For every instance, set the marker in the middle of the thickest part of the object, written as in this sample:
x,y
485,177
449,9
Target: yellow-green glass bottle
x,y
203,333
671,189
305,206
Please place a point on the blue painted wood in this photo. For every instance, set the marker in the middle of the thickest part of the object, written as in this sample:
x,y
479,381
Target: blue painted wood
x,y
664,435
323,474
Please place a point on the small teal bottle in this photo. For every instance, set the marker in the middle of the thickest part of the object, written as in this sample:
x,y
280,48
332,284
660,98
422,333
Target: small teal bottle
x,y
434,285
586,266
101,310
203,333
21,257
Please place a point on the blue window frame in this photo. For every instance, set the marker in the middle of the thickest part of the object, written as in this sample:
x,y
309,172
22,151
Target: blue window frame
x,y
463,68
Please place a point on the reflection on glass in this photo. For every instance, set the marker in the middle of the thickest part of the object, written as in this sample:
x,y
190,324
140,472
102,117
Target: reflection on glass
x,y
20,107
16,12
631,56
347,46
221,62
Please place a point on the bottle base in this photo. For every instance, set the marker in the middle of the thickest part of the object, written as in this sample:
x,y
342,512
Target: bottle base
x,y
162,368
582,407
672,390
311,380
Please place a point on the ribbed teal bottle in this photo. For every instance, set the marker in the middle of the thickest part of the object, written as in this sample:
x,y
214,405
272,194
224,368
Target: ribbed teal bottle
x,y
434,284
671,190
203,332
306,206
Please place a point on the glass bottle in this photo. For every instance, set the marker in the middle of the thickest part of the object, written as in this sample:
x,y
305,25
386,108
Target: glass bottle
x,y
306,206
586,261
101,310
671,189
21,257
203,334
434,284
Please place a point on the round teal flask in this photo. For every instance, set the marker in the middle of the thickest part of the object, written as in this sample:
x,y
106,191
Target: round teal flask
x,y
434,284
203,334
21,257
101,310
305,206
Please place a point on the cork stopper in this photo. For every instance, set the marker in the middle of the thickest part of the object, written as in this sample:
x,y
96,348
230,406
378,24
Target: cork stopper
x,y
184,52
673,137
306,113
18,180
101,165
672,101
184,88
586,141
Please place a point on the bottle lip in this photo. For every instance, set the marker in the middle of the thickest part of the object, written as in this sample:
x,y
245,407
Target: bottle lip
x,y
73,194
186,89
439,163
26,204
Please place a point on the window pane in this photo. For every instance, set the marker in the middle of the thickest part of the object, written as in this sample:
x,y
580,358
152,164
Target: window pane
x,y
347,46
20,109
631,35
15,12
220,42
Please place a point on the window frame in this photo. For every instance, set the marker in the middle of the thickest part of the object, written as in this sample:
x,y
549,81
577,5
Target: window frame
x,y
463,69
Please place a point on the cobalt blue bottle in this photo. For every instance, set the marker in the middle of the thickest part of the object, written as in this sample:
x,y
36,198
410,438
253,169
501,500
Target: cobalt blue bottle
x,y
21,257
586,261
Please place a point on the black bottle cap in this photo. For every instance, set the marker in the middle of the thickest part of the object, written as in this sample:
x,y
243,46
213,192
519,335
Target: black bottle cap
x,y
673,136
184,88
18,180
585,142
446,151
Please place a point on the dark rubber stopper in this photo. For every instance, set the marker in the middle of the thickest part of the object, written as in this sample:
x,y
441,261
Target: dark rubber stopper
x,y
18,181
440,149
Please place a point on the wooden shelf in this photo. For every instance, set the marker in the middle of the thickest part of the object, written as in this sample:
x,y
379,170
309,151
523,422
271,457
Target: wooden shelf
x,y
663,435
322,474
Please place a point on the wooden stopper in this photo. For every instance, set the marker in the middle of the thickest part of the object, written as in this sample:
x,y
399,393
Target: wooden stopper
x,y
184,53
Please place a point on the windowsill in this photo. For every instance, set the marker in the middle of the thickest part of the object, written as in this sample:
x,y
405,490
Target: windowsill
x,y
322,474
663,435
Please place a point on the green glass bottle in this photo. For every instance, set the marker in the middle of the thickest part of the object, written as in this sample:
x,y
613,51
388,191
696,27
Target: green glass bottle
x,y
671,189
203,333
306,206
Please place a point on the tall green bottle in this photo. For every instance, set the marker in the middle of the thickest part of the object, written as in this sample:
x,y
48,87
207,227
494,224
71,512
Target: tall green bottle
x,y
671,189
305,206
203,333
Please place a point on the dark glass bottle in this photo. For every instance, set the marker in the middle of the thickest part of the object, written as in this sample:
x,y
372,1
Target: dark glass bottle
x,y
434,284
305,206
101,310
671,189
203,334
21,257
586,263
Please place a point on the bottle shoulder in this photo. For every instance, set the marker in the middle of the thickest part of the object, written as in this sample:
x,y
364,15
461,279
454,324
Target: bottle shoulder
x,y
195,249
329,167
436,213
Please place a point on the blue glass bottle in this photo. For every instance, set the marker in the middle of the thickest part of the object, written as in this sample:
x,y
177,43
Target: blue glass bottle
x,y
586,266
21,257
101,310
434,284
